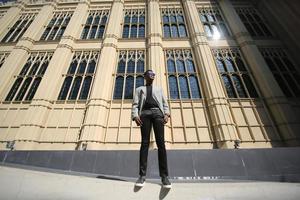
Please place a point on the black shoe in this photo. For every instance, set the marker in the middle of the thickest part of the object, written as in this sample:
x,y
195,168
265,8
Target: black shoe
x,y
166,183
140,182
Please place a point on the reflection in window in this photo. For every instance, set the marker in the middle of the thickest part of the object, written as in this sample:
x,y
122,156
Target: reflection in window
x,y
95,24
214,25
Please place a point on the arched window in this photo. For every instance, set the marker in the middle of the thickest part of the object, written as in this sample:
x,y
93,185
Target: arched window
x,y
141,31
250,87
174,93
239,86
72,68
121,66
96,20
270,64
279,64
43,68
142,19
85,87
25,68
91,67
33,88
190,65
75,88
171,66
140,66
65,88
240,64
180,19
220,65
23,89
174,31
100,31
165,19
228,86
119,88
93,32
203,18
14,89
173,19
85,32
133,33
229,65
167,31
195,90
45,34
82,67
126,31
104,19
89,20
224,30
182,31
210,18
34,68
184,88
180,66
134,19
129,88
208,30
127,19
130,66
139,81
60,33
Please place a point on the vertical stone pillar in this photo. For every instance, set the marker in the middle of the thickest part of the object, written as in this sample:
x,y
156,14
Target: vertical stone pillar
x,y
275,99
222,120
10,16
95,119
156,55
37,113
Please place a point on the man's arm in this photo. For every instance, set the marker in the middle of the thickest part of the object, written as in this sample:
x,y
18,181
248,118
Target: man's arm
x,y
165,104
135,105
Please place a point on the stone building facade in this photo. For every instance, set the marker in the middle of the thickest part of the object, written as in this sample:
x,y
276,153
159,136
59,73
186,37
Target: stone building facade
x,y
229,69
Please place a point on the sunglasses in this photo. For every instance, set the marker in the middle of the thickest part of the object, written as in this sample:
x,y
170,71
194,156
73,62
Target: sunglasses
x,y
150,74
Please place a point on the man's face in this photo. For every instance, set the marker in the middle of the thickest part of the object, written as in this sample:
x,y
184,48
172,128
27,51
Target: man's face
x,y
150,76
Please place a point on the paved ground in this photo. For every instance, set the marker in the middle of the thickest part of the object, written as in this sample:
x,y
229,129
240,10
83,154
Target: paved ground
x,y
22,184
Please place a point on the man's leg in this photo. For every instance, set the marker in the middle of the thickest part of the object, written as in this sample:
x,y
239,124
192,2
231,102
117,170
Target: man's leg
x,y
158,126
145,133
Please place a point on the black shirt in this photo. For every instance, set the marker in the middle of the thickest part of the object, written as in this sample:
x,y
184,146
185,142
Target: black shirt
x,y
150,102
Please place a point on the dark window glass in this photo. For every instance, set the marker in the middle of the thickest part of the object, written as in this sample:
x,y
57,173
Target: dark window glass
x,y
190,65
72,67
194,87
184,89
141,31
165,19
130,67
14,89
174,31
174,93
126,31
23,89
220,65
75,88
82,67
93,32
171,66
228,86
85,87
119,88
134,19
239,86
180,66
91,67
101,31
140,66
250,86
129,88
65,88
25,69
43,68
33,89
121,67
240,64
133,31
167,32
229,65
34,68
85,32
182,31
283,85
139,81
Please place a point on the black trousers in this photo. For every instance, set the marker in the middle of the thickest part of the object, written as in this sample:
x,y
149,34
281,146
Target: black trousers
x,y
155,118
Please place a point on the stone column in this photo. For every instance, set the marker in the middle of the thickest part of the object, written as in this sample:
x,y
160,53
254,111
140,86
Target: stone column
x,y
38,111
275,99
95,119
156,57
222,120
10,16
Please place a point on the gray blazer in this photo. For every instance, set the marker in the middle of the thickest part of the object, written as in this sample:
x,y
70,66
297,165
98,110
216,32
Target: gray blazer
x,y
140,98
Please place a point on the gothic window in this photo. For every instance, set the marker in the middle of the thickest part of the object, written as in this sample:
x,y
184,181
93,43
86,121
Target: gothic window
x,y
284,71
232,70
57,26
254,22
214,25
95,24
28,80
130,69
3,56
79,78
134,24
173,23
18,29
182,75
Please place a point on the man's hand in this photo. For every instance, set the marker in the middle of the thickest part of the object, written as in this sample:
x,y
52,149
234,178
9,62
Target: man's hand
x,y
166,119
138,121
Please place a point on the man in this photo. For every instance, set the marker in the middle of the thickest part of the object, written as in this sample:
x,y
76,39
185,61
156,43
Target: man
x,y
149,109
